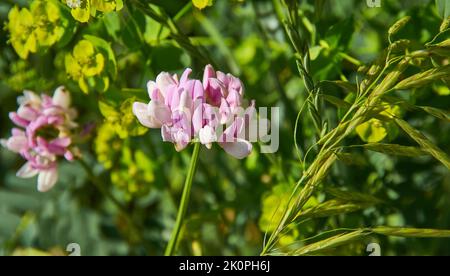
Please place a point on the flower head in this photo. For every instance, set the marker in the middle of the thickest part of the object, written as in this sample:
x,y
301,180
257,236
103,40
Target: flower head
x,y
43,135
189,110
84,62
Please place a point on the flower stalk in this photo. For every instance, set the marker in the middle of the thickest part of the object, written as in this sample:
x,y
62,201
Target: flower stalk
x,y
171,246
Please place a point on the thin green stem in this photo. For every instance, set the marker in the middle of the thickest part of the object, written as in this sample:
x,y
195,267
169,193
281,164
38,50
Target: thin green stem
x,y
170,250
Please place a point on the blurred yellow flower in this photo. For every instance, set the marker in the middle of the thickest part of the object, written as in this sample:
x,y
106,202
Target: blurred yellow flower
x,y
201,4
38,27
84,62
82,10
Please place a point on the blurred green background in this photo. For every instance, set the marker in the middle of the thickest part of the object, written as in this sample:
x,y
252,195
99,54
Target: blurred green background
x,y
232,201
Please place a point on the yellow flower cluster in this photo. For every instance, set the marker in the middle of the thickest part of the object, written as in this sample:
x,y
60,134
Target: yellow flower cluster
x,y
82,10
39,27
83,63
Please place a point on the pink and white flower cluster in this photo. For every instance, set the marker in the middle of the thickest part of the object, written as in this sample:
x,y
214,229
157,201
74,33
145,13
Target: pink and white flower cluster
x,y
189,110
43,135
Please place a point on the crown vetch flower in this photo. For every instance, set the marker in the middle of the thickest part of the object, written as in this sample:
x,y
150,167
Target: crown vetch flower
x,y
43,135
189,110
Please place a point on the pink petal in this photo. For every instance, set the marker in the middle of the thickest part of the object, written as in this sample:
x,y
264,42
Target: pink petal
x,y
163,81
68,155
239,149
215,91
223,78
235,84
230,134
61,142
166,134
18,120
234,99
185,103
16,143
196,90
140,110
208,73
26,171
27,113
175,99
159,113
151,89
224,112
58,146
17,132
182,139
184,78
197,119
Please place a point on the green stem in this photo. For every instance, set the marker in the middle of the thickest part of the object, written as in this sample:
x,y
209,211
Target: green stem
x,y
184,202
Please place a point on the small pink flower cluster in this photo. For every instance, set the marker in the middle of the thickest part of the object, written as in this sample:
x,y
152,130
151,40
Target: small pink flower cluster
x,y
44,135
189,110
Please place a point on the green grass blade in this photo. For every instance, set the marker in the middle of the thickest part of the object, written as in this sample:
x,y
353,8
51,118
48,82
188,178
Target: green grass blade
x,y
424,142
331,243
411,232
393,149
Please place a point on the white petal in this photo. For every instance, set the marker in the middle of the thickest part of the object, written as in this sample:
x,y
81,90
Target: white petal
x,y
47,179
26,171
29,97
239,149
159,113
185,104
61,97
140,110
163,80
26,113
151,85
17,143
207,135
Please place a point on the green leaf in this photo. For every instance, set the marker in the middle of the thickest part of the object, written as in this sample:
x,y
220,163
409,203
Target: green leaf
x,y
339,35
443,7
18,201
345,85
112,24
424,142
10,221
336,101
